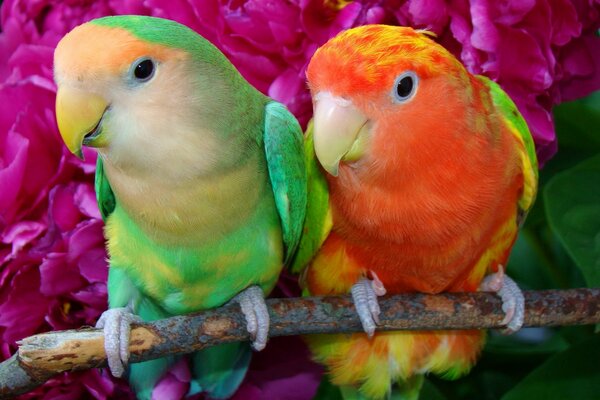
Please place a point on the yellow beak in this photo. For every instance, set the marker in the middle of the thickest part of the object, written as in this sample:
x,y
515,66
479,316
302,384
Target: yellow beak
x,y
340,131
78,114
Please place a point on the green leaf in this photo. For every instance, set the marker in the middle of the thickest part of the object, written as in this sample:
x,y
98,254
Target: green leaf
x,y
572,200
577,123
545,342
539,260
528,262
571,374
327,390
430,392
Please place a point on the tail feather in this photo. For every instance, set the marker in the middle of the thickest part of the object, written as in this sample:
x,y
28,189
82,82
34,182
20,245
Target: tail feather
x,y
373,365
144,376
409,389
219,370
403,390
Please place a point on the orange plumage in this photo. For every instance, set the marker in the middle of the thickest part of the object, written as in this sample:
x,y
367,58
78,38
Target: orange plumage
x,y
431,205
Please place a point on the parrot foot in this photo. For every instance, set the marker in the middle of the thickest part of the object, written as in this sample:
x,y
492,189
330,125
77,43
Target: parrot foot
x,y
364,294
513,302
252,303
116,324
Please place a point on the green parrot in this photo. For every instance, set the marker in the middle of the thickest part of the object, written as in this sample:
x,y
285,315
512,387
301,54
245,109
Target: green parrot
x,y
200,180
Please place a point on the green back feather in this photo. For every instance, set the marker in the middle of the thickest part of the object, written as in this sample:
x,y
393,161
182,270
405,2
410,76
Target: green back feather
x,y
520,130
283,150
510,111
318,222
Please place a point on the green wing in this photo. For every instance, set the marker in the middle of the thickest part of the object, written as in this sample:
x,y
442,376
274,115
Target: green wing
x,y
283,149
104,193
518,127
318,221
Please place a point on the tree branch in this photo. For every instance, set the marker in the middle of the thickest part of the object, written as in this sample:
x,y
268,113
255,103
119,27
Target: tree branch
x,y
42,356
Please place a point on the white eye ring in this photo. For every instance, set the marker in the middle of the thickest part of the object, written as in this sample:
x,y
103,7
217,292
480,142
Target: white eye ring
x,y
405,86
142,70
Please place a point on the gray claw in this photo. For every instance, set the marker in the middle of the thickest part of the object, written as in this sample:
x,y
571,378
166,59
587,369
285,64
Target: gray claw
x,y
364,294
116,324
252,303
513,305
513,302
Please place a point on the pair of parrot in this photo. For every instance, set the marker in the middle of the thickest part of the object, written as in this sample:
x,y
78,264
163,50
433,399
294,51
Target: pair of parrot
x,y
414,177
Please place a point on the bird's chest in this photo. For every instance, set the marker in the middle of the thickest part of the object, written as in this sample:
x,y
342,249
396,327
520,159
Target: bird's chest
x,y
190,211
184,278
432,242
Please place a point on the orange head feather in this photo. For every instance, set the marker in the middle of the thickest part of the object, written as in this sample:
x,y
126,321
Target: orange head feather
x,y
89,53
368,58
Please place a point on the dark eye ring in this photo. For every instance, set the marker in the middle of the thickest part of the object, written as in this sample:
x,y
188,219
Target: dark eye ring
x,y
143,69
405,86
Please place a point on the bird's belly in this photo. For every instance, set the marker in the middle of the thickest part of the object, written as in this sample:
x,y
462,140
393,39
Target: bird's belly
x,y
405,268
457,265
188,278
339,265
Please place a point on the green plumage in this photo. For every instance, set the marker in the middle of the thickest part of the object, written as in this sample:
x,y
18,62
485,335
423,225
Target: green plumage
x,y
318,222
510,111
520,130
170,254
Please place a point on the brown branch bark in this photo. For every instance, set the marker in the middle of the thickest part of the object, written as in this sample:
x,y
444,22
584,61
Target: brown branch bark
x,y
42,356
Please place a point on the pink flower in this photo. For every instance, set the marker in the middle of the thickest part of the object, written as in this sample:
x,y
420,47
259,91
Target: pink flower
x,y
52,257
541,52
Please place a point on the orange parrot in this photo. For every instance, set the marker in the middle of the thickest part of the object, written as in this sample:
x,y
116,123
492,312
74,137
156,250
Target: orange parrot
x,y
429,172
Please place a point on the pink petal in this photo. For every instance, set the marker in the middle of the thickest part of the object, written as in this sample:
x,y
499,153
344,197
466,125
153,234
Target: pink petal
x,y
22,313
88,235
62,208
58,277
175,384
85,199
430,14
21,234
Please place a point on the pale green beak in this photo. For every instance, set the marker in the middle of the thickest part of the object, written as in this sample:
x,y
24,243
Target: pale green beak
x,y
78,114
340,131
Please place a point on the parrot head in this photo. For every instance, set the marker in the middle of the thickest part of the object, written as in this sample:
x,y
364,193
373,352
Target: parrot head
x,y
141,89
383,94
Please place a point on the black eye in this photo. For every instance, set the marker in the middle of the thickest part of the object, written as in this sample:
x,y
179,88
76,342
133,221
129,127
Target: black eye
x,y
143,69
405,86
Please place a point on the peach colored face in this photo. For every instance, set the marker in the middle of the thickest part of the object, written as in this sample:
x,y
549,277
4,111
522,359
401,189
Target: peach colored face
x,y
89,52
372,79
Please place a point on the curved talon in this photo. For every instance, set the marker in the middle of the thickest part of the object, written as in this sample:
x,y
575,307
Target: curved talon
x,y
364,294
378,287
116,324
515,305
252,303
513,302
